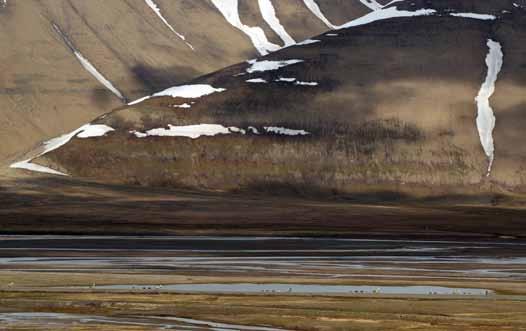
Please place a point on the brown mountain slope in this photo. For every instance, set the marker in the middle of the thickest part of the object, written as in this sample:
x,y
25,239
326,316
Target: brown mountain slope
x,y
385,106
45,90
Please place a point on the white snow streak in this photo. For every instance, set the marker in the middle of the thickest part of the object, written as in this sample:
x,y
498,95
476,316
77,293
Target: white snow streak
x,y
269,15
184,105
296,81
390,3
56,143
189,91
210,130
371,4
379,13
315,9
387,13
266,65
475,16
157,11
27,165
485,117
95,73
183,91
257,81
86,64
229,9
286,79
139,100
308,42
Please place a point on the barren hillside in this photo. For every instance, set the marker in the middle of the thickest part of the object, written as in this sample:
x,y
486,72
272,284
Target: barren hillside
x,y
401,100
64,62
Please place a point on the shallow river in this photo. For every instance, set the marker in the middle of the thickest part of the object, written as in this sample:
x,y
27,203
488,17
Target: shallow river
x,y
268,256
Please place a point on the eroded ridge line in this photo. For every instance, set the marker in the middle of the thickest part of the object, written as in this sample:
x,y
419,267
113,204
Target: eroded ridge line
x,y
485,116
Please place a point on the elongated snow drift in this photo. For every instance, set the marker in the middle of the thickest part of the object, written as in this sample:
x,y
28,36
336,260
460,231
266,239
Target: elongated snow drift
x,y
85,131
86,64
485,117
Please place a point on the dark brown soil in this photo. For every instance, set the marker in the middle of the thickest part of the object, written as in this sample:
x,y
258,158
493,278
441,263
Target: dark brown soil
x,y
66,206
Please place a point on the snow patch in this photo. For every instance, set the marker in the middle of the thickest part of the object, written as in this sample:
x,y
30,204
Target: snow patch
x,y
253,130
269,15
285,131
315,9
229,9
27,165
139,100
184,105
96,130
210,130
485,117
285,79
371,4
189,131
233,129
308,42
86,64
475,16
55,143
95,73
257,81
382,14
266,65
296,81
157,11
390,3
307,83
189,91
184,91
